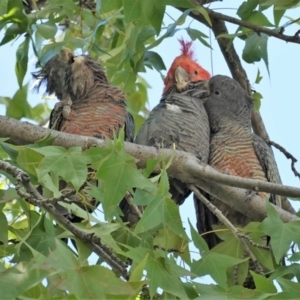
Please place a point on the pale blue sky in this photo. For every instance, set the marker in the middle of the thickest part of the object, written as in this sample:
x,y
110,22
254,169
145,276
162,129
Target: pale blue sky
x,y
280,106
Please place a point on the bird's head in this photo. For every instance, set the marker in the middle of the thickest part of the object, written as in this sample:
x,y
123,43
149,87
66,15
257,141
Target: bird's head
x,y
53,72
186,60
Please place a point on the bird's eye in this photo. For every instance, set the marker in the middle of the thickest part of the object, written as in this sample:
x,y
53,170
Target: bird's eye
x,y
196,72
217,93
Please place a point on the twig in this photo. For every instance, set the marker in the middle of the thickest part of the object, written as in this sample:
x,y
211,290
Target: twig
x,y
229,225
34,197
288,155
247,237
297,33
62,198
256,28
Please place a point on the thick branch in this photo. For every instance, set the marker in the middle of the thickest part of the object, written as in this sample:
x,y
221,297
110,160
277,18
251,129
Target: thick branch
x,y
185,167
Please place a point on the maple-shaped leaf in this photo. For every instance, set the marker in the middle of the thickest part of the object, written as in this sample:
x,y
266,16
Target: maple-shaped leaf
x,y
160,276
215,265
162,211
67,163
119,174
282,234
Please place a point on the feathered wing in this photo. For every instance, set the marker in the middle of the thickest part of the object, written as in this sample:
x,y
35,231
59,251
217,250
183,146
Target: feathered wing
x,y
267,161
180,120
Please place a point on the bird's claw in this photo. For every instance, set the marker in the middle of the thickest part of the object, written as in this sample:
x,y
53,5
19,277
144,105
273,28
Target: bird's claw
x,y
99,136
249,195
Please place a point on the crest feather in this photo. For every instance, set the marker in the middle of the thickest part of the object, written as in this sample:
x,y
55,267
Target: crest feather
x,y
186,48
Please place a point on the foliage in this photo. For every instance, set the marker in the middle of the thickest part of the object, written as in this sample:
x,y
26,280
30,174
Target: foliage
x,y
123,35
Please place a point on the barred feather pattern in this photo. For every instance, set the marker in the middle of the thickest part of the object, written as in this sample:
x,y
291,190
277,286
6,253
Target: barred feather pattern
x,y
97,114
232,153
98,108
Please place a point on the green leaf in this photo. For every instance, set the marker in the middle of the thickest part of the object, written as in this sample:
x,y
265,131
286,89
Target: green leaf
x,y
153,59
180,3
3,226
215,292
11,150
204,13
64,163
257,100
23,276
40,238
29,160
3,7
162,210
14,14
18,106
283,236
144,196
38,291
109,5
22,60
277,2
278,14
215,265
160,276
258,77
256,49
154,10
11,33
198,240
47,29
86,283
196,34
246,8
132,10
137,272
263,284
126,78
258,18
169,241
119,174
8,195
288,272
291,290
104,231
295,257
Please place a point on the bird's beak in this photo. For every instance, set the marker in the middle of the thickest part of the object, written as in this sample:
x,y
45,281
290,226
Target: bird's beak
x,y
181,79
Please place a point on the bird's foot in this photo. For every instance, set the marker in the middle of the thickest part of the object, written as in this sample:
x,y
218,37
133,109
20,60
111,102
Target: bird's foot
x,y
66,103
249,195
159,143
99,136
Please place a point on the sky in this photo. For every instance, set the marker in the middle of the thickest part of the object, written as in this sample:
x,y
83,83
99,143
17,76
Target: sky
x,y
280,106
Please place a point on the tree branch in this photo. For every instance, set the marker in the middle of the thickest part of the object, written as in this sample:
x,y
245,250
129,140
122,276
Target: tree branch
x,y
288,155
185,167
240,236
256,28
33,196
